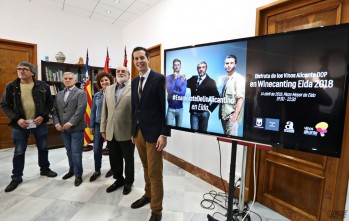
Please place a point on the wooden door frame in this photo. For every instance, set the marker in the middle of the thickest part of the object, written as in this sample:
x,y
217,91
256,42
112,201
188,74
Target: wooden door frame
x,y
23,45
31,51
335,196
153,51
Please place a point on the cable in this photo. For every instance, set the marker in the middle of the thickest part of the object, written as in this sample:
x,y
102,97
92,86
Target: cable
x,y
214,200
220,166
215,196
221,199
254,183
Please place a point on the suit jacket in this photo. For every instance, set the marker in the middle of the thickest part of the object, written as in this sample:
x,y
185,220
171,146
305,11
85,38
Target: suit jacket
x,y
148,114
72,110
207,88
116,118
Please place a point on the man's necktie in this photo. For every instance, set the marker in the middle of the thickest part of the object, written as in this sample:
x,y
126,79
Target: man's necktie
x,y
198,83
66,94
140,88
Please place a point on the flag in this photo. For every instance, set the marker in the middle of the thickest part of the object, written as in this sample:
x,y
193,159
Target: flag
x,y
86,85
125,58
106,65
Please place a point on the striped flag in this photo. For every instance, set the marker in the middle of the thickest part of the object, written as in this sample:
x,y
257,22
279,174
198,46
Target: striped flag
x,y
125,58
106,64
86,85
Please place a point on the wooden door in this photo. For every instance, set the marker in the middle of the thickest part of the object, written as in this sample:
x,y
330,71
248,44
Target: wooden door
x,y
302,186
155,60
11,53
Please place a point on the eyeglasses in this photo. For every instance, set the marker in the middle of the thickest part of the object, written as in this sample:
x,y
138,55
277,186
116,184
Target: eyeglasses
x,y
120,71
23,69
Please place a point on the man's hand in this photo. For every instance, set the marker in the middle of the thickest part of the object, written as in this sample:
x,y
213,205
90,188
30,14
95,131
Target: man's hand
x,y
59,127
161,143
103,135
133,140
233,117
66,126
23,123
37,121
183,77
92,131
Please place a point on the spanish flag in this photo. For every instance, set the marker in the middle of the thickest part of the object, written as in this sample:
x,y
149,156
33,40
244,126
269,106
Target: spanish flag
x,y
125,57
106,64
86,83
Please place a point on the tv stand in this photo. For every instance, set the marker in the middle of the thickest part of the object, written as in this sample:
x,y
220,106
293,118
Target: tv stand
x,y
239,213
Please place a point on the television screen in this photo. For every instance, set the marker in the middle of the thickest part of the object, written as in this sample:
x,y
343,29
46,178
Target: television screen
x,y
287,90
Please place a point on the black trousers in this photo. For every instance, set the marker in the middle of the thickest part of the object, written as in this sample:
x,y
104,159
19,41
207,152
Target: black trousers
x,y
118,152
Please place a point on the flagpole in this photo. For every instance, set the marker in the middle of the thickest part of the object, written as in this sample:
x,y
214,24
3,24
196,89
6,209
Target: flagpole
x,y
88,137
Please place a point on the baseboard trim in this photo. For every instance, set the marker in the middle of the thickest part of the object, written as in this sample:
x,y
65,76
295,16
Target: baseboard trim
x,y
200,173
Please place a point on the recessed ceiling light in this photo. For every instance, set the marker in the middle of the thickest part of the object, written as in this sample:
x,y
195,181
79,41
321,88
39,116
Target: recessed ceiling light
x,y
117,1
108,11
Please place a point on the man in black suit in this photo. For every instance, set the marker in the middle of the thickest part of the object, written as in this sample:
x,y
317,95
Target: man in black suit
x,y
148,129
201,87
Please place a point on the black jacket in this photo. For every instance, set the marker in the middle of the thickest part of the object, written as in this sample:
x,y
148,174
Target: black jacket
x,y
12,106
149,113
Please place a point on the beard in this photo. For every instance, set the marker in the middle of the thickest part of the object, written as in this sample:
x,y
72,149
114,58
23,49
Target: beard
x,y
201,74
121,80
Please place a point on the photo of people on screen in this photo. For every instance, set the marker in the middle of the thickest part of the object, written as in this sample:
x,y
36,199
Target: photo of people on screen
x,y
233,90
202,87
176,84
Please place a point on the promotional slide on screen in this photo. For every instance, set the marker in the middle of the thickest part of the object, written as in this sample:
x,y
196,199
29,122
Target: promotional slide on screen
x,y
287,90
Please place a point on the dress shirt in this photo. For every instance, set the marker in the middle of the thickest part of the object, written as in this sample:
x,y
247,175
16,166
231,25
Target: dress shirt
x,y
67,92
118,91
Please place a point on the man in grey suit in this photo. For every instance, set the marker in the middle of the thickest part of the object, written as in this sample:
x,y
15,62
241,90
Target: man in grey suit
x,y
116,127
69,109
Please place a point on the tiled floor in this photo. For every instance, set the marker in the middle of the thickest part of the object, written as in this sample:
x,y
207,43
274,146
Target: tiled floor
x,y
41,199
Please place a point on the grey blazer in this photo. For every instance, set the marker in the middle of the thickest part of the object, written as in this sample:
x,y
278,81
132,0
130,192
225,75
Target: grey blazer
x,y
116,119
72,110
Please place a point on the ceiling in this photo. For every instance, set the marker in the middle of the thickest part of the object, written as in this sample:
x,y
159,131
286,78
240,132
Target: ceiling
x,y
106,11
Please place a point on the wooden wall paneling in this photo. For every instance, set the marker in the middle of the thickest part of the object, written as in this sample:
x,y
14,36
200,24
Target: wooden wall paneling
x,y
302,186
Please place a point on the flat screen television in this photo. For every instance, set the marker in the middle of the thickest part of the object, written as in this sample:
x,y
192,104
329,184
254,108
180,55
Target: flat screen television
x,y
287,90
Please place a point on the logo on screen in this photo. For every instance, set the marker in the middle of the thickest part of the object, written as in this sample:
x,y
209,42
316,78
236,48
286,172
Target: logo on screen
x,y
321,128
310,131
272,124
259,123
289,127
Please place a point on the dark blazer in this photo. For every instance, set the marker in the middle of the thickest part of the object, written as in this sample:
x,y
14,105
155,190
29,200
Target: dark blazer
x,y
149,112
207,88
73,110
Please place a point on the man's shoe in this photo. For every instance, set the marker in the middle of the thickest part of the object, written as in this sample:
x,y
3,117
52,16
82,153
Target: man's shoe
x,y
114,186
140,202
127,189
105,151
68,175
109,173
78,181
155,217
13,185
94,176
48,173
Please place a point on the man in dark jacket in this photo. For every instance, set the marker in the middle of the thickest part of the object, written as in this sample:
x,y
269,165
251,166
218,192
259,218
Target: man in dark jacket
x,y
201,86
27,103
